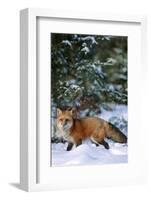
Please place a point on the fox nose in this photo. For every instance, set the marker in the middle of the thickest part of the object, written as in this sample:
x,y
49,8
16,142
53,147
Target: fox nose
x,y
65,123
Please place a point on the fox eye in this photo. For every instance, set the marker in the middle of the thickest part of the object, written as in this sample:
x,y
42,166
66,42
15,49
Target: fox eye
x,y
61,120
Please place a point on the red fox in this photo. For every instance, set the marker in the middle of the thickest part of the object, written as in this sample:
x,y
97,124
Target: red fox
x,y
75,130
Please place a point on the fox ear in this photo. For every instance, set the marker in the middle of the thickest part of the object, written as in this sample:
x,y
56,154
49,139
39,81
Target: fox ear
x,y
59,111
72,111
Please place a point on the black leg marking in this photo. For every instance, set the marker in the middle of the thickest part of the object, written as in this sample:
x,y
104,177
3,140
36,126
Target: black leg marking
x,y
79,143
105,144
69,147
95,143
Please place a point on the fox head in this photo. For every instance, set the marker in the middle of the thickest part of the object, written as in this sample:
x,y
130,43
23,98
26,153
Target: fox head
x,y
64,119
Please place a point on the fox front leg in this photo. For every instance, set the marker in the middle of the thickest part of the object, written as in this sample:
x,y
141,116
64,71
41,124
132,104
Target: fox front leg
x,y
70,144
79,142
69,147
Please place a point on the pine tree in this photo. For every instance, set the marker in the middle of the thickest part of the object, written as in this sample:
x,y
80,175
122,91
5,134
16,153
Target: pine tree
x,y
88,70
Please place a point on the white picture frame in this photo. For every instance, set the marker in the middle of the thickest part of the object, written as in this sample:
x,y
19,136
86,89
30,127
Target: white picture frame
x,y
30,168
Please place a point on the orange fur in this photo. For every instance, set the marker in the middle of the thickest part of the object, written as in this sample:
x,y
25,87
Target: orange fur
x,y
75,130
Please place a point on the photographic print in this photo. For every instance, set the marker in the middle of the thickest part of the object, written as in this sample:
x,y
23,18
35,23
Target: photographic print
x,y
89,99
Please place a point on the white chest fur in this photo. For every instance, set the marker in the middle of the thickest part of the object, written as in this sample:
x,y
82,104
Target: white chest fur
x,y
65,134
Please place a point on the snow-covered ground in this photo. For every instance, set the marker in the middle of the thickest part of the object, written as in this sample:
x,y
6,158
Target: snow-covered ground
x,y
90,154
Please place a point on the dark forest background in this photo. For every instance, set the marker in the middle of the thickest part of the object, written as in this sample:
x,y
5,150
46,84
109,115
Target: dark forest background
x,y
88,72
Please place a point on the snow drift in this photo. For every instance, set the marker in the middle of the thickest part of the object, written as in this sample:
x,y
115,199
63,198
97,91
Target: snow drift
x,y
90,154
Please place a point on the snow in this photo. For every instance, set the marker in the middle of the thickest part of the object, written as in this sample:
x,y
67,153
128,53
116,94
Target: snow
x,y
119,111
85,50
67,42
98,69
90,38
90,154
69,82
107,38
111,61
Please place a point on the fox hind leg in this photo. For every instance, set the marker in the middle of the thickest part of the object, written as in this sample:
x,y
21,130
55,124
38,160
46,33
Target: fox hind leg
x,y
79,142
94,142
105,144
98,142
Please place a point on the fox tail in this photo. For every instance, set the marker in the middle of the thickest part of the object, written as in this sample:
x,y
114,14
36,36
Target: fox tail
x,y
115,134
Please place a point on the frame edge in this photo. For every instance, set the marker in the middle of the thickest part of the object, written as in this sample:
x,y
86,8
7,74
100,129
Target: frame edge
x,y
27,177
24,99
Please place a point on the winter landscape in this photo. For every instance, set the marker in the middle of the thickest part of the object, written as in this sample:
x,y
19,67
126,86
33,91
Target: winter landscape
x,y
89,73
88,153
